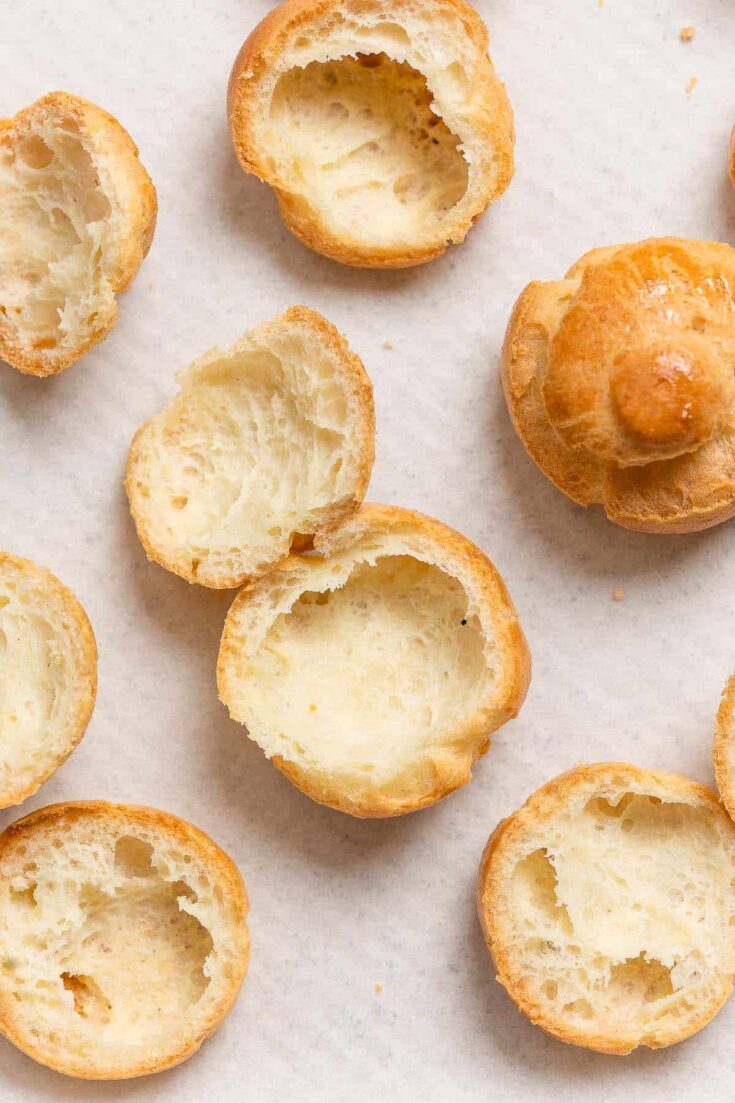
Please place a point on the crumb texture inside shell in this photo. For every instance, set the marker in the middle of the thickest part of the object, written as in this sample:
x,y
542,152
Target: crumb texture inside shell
x,y
374,672
369,676
361,138
47,676
55,223
382,126
613,915
118,946
267,441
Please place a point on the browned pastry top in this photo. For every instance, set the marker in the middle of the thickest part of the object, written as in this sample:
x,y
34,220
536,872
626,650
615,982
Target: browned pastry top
x,y
621,381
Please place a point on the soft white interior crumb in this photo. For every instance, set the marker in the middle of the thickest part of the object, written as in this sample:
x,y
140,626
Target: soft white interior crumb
x,y
621,912
40,680
258,443
360,140
54,219
112,942
375,118
380,664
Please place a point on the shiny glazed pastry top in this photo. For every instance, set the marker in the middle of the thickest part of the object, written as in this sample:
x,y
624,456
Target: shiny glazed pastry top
x,y
620,380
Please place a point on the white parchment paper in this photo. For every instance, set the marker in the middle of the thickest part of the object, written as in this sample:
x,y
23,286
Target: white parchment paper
x,y
611,148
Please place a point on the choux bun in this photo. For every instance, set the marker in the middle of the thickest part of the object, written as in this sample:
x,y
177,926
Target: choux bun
x,y
620,380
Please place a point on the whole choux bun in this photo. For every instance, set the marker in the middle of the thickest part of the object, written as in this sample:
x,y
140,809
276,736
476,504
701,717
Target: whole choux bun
x,y
620,381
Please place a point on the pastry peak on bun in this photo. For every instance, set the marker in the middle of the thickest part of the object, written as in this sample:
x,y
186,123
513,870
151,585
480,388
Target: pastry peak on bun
x,y
608,907
374,673
620,380
265,446
77,215
380,124
124,941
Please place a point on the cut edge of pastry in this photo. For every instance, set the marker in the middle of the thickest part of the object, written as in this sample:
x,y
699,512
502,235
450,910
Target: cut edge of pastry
x,y
723,750
82,679
613,779
102,222
354,454
349,559
211,891
463,98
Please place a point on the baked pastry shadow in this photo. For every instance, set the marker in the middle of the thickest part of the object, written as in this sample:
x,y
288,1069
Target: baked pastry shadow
x,y
513,1039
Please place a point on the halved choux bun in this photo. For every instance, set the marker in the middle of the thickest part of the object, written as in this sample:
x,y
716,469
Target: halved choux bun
x,y
374,674
608,907
77,216
620,380
265,446
123,935
380,124
48,676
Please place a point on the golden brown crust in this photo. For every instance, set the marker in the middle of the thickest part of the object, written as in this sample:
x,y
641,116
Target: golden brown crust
x,y
535,318
732,157
195,841
724,747
448,771
360,385
260,52
649,499
543,805
691,403
111,141
86,672
619,382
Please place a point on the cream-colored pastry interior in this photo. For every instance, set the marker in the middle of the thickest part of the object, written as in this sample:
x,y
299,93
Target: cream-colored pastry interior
x,y
359,139
364,673
108,939
620,914
54,223
43,678
259,443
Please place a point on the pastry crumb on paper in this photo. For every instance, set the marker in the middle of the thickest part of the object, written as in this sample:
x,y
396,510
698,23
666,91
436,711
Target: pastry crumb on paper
x,y
378,988
692,85
686,34
618,594
387,344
